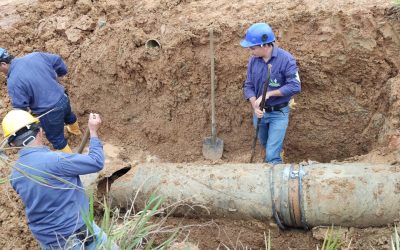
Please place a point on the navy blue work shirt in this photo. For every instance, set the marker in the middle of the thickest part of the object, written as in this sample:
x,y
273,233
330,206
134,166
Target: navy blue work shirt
x,y
32,81
50,187
284,76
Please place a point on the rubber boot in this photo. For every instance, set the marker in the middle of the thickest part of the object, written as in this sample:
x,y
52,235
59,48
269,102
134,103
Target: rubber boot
x,y
74,128
66,149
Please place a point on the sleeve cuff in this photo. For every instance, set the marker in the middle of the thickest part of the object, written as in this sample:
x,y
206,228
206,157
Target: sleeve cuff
x,y
95,141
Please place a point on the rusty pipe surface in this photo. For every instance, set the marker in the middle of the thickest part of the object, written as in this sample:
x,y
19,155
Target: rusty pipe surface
x,y
348,194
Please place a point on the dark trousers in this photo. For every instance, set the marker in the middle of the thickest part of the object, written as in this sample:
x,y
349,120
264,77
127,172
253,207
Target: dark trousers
x,y
53,122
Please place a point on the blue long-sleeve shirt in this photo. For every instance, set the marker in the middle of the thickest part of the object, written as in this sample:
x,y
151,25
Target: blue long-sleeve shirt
x,y
284,76
32,81
54,207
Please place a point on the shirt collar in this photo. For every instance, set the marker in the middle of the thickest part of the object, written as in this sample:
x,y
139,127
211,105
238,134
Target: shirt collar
x,y
273,54
274,51
10,67
27,150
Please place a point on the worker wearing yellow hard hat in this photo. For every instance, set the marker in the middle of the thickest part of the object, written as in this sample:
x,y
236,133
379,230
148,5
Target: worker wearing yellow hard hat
x,y
20,127
49,185
15,120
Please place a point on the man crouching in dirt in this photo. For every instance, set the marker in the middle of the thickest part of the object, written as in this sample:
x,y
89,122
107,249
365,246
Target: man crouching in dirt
x,y
49,185
32,82
284,83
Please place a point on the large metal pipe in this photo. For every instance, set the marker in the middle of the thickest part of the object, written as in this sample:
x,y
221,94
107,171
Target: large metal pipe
x,y
348,194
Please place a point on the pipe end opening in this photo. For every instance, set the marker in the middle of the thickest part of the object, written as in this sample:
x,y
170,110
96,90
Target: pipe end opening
x,y
152,44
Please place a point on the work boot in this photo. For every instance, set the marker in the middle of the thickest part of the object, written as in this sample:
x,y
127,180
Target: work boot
x,y
292,104
74,128
66,149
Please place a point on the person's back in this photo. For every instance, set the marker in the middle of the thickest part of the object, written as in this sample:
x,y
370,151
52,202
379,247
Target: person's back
x,y
54,197
32,81
50,187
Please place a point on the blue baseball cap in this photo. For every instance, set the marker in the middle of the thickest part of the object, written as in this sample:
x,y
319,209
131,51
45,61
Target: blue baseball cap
x,y
3,53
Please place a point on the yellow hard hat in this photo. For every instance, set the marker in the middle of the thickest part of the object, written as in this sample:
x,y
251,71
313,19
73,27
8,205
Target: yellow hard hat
x,y
15,120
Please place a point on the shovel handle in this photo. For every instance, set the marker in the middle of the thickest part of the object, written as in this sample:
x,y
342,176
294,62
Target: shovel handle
x,y
213,122
85,138
253,146
262,104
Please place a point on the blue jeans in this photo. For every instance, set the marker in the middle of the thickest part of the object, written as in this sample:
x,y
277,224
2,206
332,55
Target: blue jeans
x,y
72,243
272,132
53,122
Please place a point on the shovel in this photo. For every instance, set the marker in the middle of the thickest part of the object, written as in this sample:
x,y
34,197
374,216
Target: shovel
x,y
212,146
85,139
262,104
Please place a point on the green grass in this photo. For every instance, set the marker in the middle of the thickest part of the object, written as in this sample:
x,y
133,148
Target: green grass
x,y
331,240
395,239
267,242
134,231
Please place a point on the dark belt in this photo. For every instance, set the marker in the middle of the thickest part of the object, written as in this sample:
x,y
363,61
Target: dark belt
x,y
277,107
83,235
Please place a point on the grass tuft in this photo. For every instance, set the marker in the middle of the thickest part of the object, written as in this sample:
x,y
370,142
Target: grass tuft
x,y
331,240
143,230
267,242
395,239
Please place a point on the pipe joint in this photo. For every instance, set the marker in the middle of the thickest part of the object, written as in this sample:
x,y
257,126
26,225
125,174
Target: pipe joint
x,y
287,203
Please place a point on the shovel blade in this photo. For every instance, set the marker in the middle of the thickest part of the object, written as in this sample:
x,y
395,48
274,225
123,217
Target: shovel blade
x,y
213,150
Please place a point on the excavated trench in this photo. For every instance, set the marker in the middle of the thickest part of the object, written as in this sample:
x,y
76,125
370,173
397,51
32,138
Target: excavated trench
x,y
154,99
160,97
157,99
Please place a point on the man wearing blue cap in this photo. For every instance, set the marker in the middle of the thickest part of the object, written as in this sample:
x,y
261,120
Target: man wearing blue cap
x,y
32,84
284,83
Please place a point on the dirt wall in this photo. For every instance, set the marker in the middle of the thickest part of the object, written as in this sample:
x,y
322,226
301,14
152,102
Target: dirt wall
x,y
158,99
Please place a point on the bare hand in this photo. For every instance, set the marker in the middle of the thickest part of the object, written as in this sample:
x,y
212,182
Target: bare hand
x,y
259,113
259,99
94,124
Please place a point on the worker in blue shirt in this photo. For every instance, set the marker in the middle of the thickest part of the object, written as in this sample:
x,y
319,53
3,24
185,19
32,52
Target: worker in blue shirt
x,y
49,185
284,83
32,83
